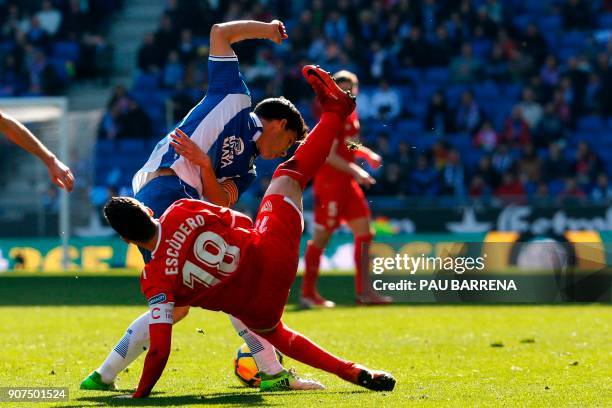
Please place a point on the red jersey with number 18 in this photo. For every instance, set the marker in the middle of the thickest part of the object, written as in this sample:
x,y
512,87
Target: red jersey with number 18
x,y
199,253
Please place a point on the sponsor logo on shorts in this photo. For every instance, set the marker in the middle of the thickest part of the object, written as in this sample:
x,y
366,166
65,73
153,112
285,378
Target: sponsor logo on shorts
x,y
159,298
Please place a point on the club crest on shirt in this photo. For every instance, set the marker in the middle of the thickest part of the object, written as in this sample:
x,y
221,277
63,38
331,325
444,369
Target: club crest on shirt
x,y
232,146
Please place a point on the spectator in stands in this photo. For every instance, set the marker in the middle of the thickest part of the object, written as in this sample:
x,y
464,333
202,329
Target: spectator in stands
x,y
531,110
186,47
572,194
441,48
414,51
516,131
173,70
478,188
550,129
496,68
439,154
576,15
453,175
13,79
439,117
386,102
150,58
486,138
541,195
602,191
404,157
75,21
495,10
555,166
424,179
134,122
502,159
36,35
534,44
520,66
587,165
468,114
391,182
465,68
485,24
487,172
530,164
550,72
511,189
50,18
166,37
592,97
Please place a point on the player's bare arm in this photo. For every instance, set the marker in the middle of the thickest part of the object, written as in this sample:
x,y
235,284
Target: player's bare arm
x,y
59,173
223,35
360,175
217,193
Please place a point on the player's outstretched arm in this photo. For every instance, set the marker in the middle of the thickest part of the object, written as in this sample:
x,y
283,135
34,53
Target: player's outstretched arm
x,y
59,173
360,175
156,359
223,35
370,156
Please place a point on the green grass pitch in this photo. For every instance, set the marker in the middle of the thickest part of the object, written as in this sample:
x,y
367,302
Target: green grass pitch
x,y
441,355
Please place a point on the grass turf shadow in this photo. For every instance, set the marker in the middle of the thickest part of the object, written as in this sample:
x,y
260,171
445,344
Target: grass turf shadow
x,y
123,290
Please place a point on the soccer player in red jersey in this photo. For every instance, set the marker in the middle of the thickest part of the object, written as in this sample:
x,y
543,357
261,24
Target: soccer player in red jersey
x,y
208,256
339,198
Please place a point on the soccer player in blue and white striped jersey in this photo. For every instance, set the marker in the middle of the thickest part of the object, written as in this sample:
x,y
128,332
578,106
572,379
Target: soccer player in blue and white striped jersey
x,y
210,155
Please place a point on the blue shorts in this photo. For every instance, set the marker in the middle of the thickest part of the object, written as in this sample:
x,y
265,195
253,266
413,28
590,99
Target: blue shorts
x,y
159,194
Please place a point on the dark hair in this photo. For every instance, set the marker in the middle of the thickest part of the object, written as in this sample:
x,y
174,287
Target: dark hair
x,y
281,108
130,219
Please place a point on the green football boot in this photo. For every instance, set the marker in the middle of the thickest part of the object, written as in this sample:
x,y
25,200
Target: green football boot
x,y
287,381
94,382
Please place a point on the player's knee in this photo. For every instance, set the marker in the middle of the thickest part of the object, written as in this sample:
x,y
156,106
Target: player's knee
x,y
180,313
320,238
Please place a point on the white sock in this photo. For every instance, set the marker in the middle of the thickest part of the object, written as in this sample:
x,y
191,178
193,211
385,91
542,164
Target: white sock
x,y
263,352
133,343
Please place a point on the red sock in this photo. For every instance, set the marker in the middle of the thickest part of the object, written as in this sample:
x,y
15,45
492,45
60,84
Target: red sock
x,y
300,348
312,259
362,261
313,151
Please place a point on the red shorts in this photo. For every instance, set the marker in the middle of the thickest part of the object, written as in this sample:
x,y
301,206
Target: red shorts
x,y
338,202
275,256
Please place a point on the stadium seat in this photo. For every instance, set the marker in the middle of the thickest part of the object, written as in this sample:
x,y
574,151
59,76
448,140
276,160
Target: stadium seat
x,y
146,82
66,50
61,68
105,147
555,187
437,75
593,124
551,23
573,40
412,75
131,146
605,21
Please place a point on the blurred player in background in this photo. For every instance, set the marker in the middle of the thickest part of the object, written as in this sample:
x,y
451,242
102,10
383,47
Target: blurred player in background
x,y
210,154
208,256
339,198
59,173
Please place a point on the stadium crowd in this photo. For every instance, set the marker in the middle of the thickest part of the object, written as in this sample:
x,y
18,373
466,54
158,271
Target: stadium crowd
x,y
471,99
46,44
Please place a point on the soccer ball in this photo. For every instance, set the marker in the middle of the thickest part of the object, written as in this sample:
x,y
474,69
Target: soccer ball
x,y
245,367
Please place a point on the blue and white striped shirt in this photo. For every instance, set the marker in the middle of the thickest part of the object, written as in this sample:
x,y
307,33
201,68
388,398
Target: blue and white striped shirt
x,y
221,124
